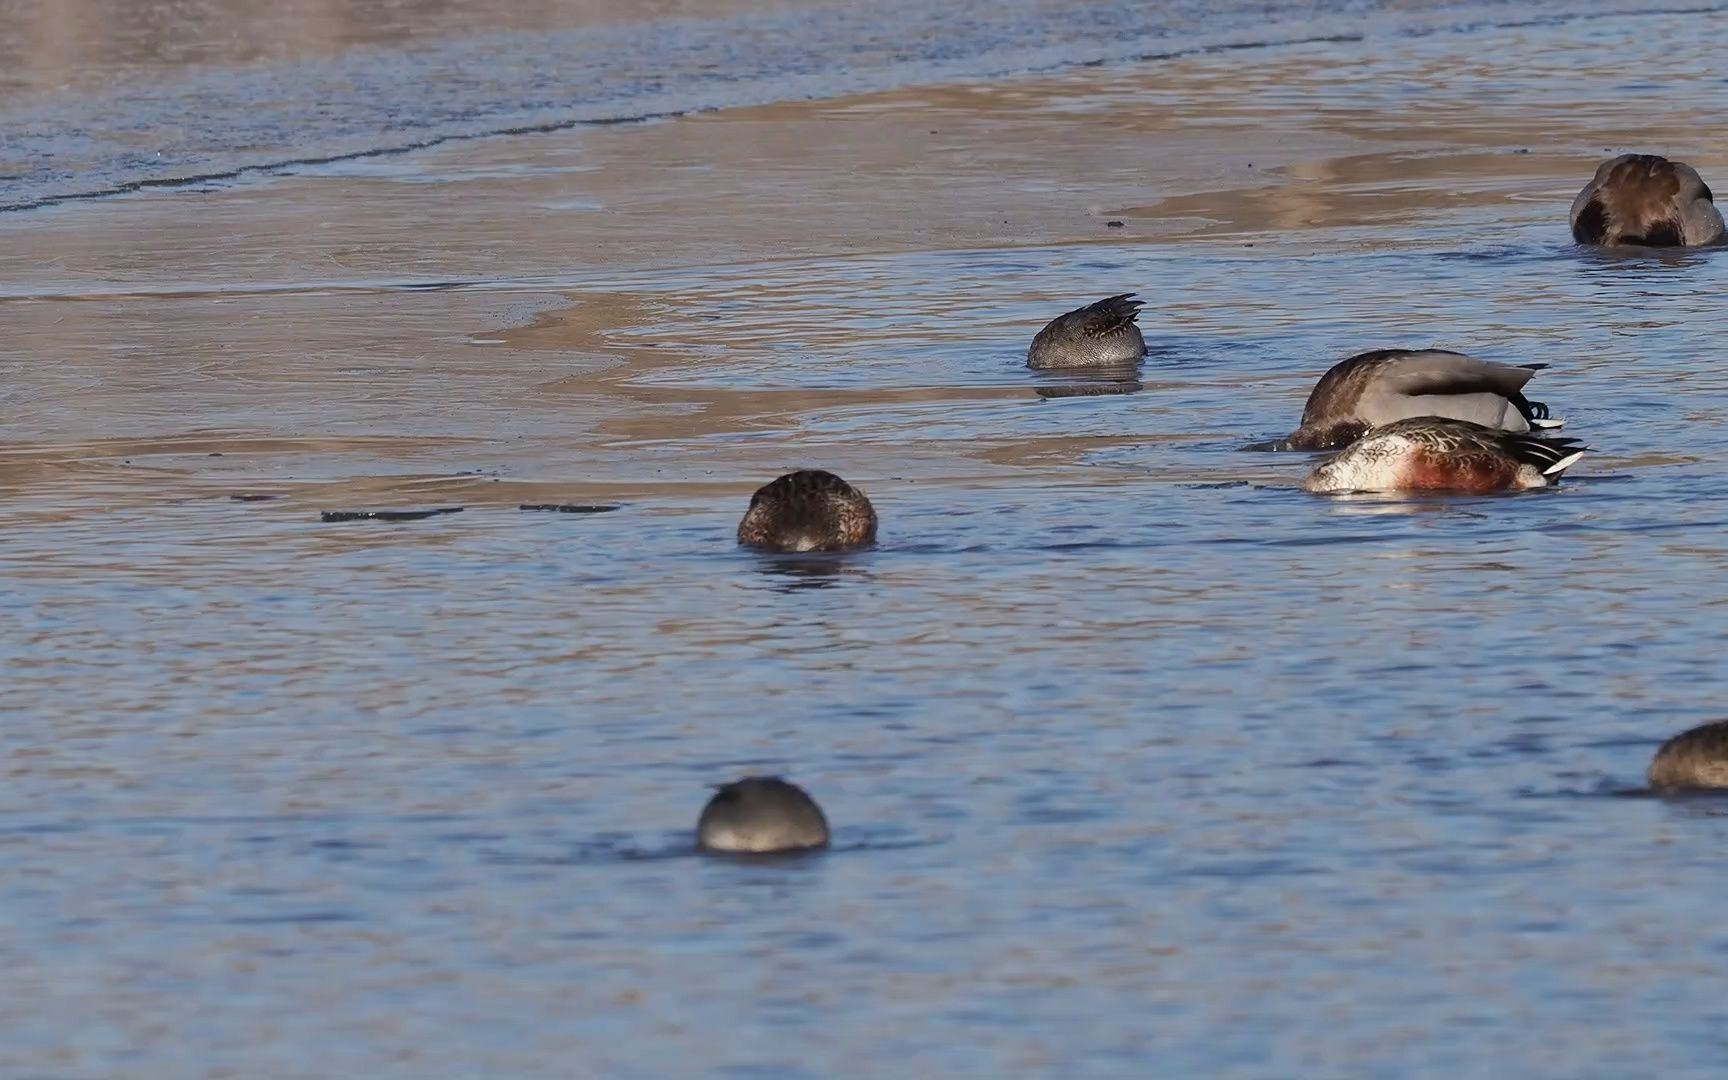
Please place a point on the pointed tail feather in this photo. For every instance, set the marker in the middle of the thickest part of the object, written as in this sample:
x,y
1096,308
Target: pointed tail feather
x,y
1549,456
1564,463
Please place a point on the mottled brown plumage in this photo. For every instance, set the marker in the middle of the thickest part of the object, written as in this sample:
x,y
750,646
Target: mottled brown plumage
x,y
1647,201
1095,335
808,510
1375,388
1693,759
1434,453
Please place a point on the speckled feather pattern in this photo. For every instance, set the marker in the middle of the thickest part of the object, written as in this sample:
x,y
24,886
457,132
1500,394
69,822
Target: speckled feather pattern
x,y
1693,759
808,510
1098,334
1430,453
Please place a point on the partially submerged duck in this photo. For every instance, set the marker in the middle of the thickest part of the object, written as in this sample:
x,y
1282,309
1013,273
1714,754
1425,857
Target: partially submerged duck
x,y
1434,453
1693,759
1375,388
761,814
1092,336
808,510
1646,200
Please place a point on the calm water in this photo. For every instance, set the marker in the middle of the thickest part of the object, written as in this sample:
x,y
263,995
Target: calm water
x,y
1139,759
100,97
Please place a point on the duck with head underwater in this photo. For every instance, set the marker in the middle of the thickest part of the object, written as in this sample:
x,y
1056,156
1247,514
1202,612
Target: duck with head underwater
x,y
1646,200
761,814
808,510
1103,334
1375,388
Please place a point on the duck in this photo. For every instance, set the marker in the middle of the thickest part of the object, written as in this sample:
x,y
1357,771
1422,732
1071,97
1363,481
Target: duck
x,y
1646,200
1438,453
1693,759
761,814
1105,333
1377,387
808,510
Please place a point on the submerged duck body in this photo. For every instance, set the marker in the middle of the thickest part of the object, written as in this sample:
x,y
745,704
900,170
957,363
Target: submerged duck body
x,y
1096,335
1433,453
1693,759
1648,201
808,510
761,814
1375,388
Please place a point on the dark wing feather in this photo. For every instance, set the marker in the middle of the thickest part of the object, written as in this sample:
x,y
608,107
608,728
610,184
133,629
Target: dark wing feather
x,y
1544,454
1109,315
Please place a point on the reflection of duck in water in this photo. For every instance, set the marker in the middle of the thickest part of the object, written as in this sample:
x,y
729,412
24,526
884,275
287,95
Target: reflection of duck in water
x,y
808,510
761,814
1646,200
1432,453
1693,759
1375,388
1098,334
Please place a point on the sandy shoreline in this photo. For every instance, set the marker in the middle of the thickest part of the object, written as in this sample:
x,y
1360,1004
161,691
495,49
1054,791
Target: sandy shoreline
x,y
545,366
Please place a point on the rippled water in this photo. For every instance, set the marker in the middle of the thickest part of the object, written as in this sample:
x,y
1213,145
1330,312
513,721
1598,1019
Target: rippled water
x,y
104,98
1140,760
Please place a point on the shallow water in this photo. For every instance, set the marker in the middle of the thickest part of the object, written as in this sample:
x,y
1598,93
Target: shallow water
x,y
101,98
1137,756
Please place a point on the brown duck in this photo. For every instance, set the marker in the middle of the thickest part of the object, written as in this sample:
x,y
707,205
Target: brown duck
x,y
808,510
1374,388
1646,200
1693,759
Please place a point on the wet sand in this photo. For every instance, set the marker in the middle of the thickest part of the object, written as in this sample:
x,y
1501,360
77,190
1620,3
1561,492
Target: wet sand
x,y
500,306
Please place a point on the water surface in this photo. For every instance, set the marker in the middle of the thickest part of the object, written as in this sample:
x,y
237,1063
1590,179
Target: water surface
x,y
1137,756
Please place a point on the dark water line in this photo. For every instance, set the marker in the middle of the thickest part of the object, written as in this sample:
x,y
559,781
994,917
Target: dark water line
x,y
132,187
921,49
551,127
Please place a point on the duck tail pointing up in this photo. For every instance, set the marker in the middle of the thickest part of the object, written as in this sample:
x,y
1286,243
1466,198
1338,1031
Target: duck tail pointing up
x,y
1112,313
1565,463
1551,457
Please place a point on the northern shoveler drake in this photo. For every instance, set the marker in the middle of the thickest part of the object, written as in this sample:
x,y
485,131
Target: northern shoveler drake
x,y
1093,336
1646,200
1434,453
808,510
761,814
1375,388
